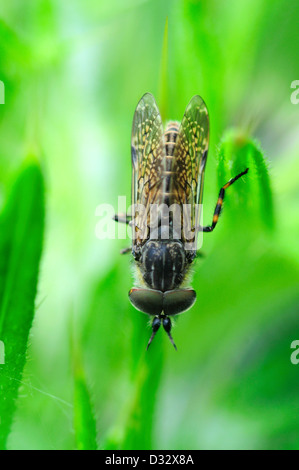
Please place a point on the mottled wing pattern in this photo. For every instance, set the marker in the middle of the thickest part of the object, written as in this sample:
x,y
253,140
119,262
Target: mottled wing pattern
x,y
190,154
148,160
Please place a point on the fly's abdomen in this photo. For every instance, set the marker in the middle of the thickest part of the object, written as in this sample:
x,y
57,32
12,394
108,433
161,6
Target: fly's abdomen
x,y
170,138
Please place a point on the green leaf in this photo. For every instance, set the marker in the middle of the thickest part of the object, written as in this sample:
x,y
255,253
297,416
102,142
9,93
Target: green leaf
x,y
21,237
237,152
262,174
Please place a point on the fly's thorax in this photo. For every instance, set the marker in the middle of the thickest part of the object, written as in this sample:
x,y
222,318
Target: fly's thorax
x,y
163,263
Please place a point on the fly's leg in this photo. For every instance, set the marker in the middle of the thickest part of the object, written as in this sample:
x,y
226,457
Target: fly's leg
x,y
210,228
122,218
124,251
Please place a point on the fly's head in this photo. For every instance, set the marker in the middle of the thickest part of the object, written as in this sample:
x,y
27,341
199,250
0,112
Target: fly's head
x,y
161,306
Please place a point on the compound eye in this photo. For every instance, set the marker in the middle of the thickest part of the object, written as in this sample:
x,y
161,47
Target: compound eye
x,y
148,301
178,301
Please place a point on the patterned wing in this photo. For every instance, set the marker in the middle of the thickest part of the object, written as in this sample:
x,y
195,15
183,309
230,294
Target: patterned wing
x,y
148,160
190,154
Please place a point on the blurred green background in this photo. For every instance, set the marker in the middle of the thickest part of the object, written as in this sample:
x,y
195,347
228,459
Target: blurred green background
x,y
73,74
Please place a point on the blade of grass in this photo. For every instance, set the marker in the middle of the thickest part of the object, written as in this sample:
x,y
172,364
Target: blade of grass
x,y
145,385
84,420
266,199
21,237
163,87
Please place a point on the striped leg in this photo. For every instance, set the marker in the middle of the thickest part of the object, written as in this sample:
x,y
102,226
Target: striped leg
x,y
218,207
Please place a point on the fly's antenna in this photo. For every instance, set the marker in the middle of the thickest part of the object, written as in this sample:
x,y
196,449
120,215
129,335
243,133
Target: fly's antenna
x,y
155,326
167,328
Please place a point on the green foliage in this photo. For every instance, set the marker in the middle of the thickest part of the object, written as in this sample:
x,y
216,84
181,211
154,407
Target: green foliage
x,y
141,409
21,236
239,152
84,420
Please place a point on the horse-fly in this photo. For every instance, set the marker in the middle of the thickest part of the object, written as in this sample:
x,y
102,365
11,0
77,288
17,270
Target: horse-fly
x,y
167,188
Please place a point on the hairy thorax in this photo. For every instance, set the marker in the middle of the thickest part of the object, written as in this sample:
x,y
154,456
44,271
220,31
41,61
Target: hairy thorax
x,y
163,264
